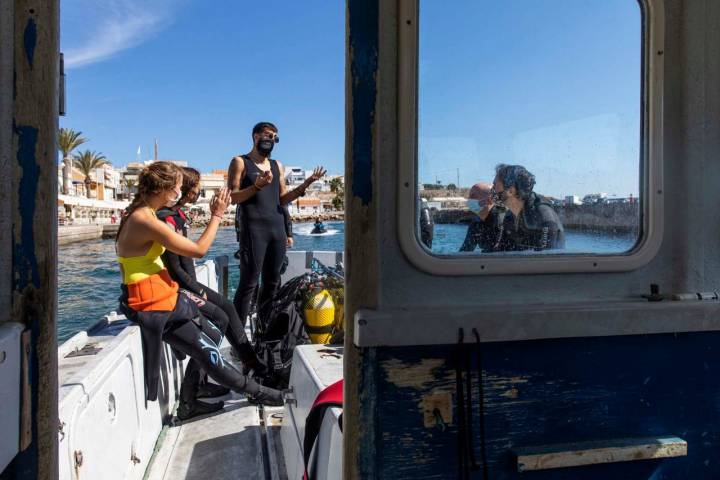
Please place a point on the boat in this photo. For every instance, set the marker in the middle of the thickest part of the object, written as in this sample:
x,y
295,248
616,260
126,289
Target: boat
x,y
318,228
101,396
588,365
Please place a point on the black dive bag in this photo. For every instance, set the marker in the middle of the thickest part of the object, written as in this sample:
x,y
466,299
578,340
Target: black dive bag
x,y
279,329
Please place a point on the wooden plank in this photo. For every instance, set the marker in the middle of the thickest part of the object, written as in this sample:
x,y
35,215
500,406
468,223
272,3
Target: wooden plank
x,y
33,209
598,452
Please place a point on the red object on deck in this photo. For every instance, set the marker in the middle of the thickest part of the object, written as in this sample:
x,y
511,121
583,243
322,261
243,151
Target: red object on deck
x,y
332,396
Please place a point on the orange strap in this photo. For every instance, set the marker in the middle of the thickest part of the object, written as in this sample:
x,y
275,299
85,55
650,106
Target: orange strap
x,y
158,292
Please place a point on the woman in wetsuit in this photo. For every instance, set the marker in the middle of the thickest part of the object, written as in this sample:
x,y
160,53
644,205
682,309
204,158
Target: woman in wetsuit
x,y
182,269
153,300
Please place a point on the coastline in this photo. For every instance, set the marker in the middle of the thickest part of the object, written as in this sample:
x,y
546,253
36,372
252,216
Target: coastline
x,y
68,234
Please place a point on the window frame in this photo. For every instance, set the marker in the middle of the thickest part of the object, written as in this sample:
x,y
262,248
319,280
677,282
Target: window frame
x,y
651,163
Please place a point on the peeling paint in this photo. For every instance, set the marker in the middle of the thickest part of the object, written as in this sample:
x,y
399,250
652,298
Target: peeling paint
x,y
25,265
412,375
363,45
30,41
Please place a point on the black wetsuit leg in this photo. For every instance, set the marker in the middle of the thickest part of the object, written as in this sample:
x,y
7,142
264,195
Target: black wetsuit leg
x,y
194,335
252,253
235,332
274,256
263,253
194,375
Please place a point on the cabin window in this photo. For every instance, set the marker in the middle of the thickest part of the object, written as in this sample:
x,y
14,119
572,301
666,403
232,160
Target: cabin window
x,y
536,134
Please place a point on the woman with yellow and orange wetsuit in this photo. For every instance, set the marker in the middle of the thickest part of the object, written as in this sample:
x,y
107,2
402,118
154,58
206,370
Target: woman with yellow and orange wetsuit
x,y
153,300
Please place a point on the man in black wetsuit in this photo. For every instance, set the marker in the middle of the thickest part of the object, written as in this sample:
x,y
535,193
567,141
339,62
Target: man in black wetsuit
x,y
484,230
530,222
427,225
257,185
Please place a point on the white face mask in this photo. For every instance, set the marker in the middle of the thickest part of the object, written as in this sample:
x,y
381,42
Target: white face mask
x,y
172,203
474,205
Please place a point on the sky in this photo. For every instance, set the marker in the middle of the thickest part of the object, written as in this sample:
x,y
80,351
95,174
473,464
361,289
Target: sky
x,y
198,75
552,85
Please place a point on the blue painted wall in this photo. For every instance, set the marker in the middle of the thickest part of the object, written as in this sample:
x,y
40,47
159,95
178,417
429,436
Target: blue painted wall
x,y
559,391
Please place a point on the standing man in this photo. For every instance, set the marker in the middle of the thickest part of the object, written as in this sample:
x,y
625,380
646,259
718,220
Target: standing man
x,y
257,185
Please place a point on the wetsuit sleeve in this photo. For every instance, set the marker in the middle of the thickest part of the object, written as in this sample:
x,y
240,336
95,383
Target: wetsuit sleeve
x,y
288,221
553,234
469,243
426,227
174,265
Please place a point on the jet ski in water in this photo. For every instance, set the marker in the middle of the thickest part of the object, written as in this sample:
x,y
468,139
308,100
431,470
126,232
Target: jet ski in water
x,y
318,228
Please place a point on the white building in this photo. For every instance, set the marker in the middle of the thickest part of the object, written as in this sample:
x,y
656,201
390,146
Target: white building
x,y
294,176
305,206
210,183
572,200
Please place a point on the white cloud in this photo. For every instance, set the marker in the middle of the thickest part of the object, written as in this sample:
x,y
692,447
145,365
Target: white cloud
x,y
94,30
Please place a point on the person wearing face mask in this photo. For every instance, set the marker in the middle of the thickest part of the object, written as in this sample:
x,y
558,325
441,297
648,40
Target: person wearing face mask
x,y
530,222
154,301
484,230
214,306
258,187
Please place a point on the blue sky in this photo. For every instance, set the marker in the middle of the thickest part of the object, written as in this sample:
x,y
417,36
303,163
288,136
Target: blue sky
x,y
551,85
198,75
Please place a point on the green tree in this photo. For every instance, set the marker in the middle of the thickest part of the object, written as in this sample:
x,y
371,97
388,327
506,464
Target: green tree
x,y
451,186
337,186
87,162
130,183
68,140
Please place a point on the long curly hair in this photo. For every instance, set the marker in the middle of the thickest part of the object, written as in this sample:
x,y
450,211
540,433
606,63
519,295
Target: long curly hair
x,y
155,178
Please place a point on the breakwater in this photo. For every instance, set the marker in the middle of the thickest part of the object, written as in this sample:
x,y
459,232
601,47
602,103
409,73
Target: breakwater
x,y
79,233
604,217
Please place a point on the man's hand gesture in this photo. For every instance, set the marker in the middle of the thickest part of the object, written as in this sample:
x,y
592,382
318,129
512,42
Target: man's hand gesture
x,y
317,174
264,180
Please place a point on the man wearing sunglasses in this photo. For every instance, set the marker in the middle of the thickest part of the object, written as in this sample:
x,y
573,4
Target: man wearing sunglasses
x,y
258,187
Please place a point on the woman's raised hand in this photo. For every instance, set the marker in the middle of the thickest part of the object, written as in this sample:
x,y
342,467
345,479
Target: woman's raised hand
x,y
220,202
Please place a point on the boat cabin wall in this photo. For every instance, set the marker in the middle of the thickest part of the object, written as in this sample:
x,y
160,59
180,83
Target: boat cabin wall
x,y
567,358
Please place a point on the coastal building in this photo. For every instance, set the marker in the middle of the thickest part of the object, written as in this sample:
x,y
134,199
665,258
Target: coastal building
x,y
305,206
572,200
210,183
445,203
294,176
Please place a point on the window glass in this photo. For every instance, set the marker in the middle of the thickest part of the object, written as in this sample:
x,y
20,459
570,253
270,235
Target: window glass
x,y
529,126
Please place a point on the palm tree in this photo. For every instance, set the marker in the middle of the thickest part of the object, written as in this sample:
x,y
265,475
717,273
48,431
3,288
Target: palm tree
x,y
88,161
129,185
338,188
68,140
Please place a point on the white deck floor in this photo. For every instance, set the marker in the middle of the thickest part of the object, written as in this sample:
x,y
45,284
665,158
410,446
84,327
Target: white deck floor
x,y
230,444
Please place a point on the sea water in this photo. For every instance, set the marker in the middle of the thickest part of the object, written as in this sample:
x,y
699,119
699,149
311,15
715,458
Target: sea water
x,y
89,277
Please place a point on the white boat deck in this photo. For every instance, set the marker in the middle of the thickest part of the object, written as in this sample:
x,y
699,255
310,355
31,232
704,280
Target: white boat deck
x,y
109,430
235,443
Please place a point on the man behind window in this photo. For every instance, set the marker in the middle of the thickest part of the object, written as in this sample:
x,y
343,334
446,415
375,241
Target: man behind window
x,y
484,230
530,222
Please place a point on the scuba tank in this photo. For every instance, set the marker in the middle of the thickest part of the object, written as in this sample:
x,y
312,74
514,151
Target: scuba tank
x,y
320,316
